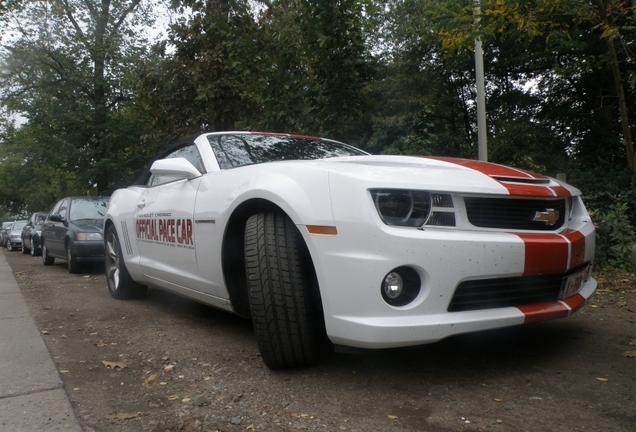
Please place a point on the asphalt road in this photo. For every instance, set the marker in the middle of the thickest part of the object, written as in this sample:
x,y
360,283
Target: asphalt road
x,y
168,364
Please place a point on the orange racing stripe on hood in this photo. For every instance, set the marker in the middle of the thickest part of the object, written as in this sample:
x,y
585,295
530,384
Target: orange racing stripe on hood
x,y
514,188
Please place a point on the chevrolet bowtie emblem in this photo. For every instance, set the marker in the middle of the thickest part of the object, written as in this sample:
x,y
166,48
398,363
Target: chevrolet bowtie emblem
x,y
549,216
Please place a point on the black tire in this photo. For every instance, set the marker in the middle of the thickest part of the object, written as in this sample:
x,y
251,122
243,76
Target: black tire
x,y
9,246
279,296
46,259
72,265
25,250
32,251
120,284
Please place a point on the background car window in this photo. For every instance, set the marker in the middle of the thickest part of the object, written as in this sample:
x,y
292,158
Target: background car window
x,y
63,209
190,153
88,209
19,225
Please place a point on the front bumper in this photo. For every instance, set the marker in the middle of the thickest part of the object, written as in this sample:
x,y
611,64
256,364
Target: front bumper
x,y
88,251
351,266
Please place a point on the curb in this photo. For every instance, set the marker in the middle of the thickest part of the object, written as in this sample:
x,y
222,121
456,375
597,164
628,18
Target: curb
x,y
32,396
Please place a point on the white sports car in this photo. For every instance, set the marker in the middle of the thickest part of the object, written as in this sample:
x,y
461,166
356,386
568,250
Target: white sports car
x,y
306,235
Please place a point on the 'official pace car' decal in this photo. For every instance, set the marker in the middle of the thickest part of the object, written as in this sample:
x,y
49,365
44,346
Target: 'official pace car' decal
x,y
160,228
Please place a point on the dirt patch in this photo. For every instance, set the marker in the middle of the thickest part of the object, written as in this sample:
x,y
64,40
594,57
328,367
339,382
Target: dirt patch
x,y
168,364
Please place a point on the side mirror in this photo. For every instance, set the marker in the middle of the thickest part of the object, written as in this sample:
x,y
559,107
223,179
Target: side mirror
x,y
56,218
175,167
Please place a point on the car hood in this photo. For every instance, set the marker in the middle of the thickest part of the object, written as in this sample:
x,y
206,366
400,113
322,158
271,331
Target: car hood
x,y
88,225
446,174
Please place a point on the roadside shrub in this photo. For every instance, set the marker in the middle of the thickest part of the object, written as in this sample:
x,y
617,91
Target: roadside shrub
x,y
614,237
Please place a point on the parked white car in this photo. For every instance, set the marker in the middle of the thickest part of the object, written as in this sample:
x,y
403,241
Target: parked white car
x,y
306,235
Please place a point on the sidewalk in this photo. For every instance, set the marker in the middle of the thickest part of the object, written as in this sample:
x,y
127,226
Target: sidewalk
x,y
32,396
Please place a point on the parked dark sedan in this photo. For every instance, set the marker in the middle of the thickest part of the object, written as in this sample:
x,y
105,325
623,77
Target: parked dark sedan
x,y
73,232
31,234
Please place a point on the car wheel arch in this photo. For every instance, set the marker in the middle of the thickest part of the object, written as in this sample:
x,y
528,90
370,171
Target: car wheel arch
x,y
233,257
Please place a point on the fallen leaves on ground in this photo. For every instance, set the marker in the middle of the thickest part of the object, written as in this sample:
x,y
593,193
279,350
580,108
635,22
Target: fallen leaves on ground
x,y
151,379
114,365
630,354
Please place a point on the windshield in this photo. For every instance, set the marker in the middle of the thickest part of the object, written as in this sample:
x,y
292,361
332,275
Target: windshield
x,y
245,149
19,225
82,208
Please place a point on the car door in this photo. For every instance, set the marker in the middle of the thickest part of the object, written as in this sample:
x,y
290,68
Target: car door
x,y
164,225
56,229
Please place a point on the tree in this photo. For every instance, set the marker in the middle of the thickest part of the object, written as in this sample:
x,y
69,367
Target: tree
x,y
318,67
580,52
68,72
208,74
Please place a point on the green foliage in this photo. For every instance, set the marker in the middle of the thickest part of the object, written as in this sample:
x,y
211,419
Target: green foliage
x,y
391,76
614,237
68,70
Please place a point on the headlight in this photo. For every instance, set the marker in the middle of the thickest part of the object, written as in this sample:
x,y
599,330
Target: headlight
x,y
89,236
15,236
407,208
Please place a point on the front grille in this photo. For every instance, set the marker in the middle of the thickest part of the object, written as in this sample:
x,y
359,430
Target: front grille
x,y
508,292
512,213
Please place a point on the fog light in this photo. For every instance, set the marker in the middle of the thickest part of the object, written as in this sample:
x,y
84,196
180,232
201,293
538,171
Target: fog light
x,y
401,286
393,285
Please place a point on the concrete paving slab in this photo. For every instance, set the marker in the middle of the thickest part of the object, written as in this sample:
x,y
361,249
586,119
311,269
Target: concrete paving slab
x,y
25,363
13,306
45,411
32,397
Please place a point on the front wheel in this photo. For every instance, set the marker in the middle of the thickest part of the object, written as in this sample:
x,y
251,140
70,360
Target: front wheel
x,y
9,246
25,250
71,261
120,284
47,260
279,296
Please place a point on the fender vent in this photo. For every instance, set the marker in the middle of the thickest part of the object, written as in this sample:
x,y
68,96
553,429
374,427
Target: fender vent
x,y
124,231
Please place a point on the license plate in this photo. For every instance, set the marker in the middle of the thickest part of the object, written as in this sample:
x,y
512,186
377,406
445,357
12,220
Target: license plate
x,y
572,284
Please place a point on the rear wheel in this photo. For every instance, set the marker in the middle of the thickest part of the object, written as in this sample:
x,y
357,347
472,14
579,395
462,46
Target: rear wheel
x,y
25,250
279,295
47,260
120,284
71,261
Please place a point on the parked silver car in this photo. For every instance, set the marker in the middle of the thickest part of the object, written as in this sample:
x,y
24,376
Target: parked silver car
x,y
14,235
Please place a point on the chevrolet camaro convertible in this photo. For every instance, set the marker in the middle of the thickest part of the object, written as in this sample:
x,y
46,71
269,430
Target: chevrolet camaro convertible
x,y
306,235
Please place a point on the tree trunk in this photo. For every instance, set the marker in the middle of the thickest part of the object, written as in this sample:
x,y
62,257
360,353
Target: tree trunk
x,y
620,92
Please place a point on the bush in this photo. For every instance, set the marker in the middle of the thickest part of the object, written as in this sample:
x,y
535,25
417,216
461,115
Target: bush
x,y
614,236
